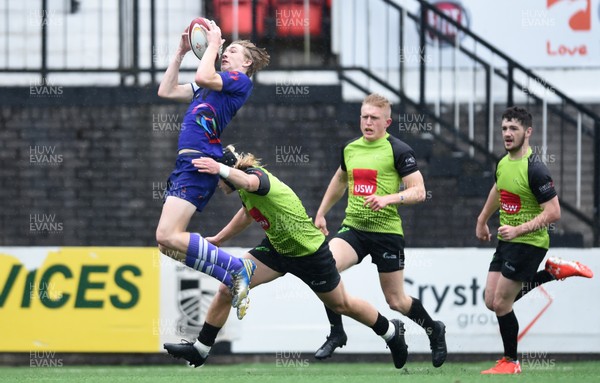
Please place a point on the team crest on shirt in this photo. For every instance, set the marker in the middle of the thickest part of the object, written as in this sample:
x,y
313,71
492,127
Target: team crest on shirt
x,y
260,218
365,181
510,203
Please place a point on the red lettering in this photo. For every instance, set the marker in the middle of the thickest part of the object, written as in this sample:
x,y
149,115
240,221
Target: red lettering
x,y
564,50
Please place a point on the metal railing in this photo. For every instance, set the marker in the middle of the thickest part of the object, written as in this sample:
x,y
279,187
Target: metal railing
x,y
569,130
131,42
134,42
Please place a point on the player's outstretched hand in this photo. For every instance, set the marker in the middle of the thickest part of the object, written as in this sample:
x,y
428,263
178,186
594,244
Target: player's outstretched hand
x,y
482,232
321,224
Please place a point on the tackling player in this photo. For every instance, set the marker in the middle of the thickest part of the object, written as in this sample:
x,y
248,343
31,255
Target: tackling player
x,y
292,244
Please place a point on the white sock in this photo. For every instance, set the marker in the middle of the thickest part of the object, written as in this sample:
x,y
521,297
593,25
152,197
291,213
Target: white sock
x,y
203,349
390,332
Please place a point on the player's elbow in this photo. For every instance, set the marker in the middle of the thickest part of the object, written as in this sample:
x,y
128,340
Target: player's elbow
x,y
164,92
199,80
420,194
202,80
249,186
554,216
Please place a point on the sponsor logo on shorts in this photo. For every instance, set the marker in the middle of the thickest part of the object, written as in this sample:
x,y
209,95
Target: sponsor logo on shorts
x,y
317,283
387,255
509,266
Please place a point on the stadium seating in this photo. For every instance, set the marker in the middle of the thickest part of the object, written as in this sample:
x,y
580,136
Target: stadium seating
x,y
290,18
224,14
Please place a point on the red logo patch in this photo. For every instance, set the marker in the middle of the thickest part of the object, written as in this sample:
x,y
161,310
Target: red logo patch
x,y
260,218
581,12
510,202
365,181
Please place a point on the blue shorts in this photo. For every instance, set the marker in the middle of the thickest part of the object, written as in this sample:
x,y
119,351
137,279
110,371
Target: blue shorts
x,y
187,183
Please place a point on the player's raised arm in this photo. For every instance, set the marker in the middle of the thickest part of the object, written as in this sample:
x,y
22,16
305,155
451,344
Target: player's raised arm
x,y
169,87
206,75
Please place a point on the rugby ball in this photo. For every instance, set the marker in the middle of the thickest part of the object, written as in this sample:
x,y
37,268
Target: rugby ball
x,y
197,36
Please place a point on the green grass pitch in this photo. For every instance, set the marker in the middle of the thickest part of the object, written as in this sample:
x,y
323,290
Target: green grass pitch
x,y
309,372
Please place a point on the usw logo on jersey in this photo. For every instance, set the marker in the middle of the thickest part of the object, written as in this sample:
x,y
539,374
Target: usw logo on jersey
x,y
260,218
510,202
365,181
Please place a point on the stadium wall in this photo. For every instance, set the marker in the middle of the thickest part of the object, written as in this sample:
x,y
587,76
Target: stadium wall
x,y
132,300
87,166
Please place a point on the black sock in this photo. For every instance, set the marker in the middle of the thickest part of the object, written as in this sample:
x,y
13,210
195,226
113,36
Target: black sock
x,y
335,321
381,325
419,315
208,334
538,279
509,330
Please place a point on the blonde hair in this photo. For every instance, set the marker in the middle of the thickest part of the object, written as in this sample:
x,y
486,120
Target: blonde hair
x,y
259,56
379,101
247,160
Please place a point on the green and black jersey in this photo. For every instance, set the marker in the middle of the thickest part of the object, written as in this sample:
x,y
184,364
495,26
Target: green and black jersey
x,y
375,167
281,214
523,185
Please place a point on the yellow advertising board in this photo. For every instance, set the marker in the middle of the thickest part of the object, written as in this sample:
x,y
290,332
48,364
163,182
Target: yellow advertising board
x,y
89,299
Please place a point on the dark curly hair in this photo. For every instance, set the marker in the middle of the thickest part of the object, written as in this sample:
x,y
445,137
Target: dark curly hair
x,y
518,114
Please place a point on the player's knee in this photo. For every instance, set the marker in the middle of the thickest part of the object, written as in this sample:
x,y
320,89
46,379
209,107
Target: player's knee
x,y
163,238
341,307
400,304
489,302
223,294
501,307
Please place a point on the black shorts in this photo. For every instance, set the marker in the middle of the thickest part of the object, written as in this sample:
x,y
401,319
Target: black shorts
x,y
387,250
318,270
517,261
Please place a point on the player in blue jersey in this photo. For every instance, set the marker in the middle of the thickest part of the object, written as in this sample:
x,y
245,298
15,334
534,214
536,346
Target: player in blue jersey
x,y
214,98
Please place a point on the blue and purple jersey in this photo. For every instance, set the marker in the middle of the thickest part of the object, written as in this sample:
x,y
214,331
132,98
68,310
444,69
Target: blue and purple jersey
x,y
210,112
